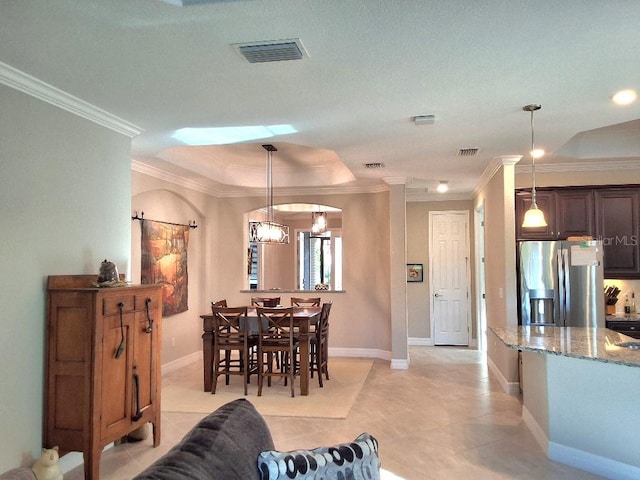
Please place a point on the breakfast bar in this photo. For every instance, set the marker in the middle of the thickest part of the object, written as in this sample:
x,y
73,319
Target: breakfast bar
x,y
581,391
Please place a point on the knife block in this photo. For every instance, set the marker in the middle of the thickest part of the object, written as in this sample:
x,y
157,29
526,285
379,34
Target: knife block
x,y
610,309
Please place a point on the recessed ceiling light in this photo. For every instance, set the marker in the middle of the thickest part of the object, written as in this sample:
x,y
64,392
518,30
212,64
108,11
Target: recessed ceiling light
x,y
624,97
443,186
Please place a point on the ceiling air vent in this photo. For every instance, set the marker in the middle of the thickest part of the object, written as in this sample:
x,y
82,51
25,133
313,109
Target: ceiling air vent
x,y
374,165
271,51
467,152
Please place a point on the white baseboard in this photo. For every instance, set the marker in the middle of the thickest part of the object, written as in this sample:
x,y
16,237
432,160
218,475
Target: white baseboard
x,y
428,342
359,352
512,388
399,364
181,362
536,430
602,466
596,464
421,341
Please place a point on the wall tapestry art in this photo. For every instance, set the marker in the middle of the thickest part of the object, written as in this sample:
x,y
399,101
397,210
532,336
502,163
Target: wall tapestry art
x,y
164,261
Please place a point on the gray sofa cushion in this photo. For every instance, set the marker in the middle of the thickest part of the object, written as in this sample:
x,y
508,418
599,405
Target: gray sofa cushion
x,y
223,445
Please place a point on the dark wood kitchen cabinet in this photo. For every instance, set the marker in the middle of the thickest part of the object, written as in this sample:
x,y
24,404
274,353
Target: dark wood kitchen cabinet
x,y
568,213
617,226
607,213
631,328
546,202
102,366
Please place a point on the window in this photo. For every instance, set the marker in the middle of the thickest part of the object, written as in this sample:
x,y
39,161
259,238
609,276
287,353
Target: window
x,y
319,260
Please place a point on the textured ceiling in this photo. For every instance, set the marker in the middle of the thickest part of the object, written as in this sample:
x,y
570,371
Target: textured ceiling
x,y
371,67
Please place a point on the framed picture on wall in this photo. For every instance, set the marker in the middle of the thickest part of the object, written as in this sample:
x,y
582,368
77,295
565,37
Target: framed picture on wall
x,y
414,272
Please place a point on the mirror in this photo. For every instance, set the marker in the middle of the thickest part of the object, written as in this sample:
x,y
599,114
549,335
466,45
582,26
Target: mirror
x,y
311,260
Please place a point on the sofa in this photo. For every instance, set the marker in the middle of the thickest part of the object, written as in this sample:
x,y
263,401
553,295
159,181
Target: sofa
x,y
234,442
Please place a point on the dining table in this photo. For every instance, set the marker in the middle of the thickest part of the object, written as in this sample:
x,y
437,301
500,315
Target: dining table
x,y
303,318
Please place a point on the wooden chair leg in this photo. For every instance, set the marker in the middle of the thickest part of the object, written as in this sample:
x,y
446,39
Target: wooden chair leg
x,y
215,371
245,369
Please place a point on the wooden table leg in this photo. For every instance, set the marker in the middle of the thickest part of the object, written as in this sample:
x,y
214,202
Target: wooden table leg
x,y
304,363
207,351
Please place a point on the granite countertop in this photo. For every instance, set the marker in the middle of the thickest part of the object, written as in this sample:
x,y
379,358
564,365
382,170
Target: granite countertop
x,y
598,344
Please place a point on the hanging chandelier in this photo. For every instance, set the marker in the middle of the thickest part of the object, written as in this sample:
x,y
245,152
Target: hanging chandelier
x,y
318,222
268,231
534,217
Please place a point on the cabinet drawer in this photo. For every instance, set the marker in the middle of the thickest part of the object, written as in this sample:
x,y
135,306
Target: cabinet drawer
x,y
110,305
623,325
141,300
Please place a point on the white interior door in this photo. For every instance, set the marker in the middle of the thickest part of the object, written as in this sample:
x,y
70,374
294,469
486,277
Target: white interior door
x,y
449,260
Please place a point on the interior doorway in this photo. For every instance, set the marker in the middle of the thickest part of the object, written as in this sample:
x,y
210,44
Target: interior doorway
x,y
450,277
481,299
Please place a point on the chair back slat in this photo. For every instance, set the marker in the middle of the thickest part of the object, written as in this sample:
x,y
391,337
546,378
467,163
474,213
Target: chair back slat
x,y
305,302
323,323
268,302
229,321
219,303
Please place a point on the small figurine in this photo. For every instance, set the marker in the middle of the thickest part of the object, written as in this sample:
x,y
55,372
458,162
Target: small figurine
x,y
46,467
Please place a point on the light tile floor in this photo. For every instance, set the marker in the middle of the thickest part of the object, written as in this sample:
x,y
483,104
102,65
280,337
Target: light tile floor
x,y
443,418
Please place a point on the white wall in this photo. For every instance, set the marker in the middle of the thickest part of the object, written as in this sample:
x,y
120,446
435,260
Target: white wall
x,y
65,198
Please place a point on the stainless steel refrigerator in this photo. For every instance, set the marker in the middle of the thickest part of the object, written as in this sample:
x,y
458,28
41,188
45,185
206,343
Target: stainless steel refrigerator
x,y
561,283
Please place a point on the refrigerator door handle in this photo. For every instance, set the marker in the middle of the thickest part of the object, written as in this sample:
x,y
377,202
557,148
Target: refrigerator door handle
x,y
560,260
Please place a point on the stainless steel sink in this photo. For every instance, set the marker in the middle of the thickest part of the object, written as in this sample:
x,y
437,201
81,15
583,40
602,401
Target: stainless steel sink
x,y
632,345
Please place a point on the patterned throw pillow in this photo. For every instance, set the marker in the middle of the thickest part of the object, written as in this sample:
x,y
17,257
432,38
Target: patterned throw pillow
x,y
357,460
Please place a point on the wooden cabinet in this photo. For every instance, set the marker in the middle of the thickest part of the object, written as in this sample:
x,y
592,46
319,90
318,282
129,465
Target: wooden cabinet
x,y
102,365
568,213
618,228
630,328
546,202
607,213
574,213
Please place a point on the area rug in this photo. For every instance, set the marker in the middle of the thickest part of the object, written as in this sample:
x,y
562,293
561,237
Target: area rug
x,y
184,394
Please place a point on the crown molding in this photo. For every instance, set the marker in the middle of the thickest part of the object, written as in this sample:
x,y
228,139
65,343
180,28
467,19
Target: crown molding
x,y
160,174
418,196
235,191
494,165
33,87
580,166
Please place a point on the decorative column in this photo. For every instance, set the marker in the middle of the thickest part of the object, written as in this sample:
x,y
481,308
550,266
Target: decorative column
x,y
398,266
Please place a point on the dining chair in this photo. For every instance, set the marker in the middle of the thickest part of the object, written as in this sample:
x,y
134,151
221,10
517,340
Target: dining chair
x,y
277,339
319,345
305,302
230,335
219,303
268,302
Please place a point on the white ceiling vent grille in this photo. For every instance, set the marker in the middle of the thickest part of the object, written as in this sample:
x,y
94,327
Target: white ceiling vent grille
x,y
374,165
467,152
272,50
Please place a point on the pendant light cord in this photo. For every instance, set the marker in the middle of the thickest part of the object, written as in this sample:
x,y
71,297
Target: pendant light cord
x,y
532,108
533,165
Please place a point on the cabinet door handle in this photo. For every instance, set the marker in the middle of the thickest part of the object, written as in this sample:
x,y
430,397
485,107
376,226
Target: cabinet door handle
x,y
149,328
120,348
136,384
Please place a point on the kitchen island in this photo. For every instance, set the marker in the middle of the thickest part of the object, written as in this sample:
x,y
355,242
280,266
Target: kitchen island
x,y
581,395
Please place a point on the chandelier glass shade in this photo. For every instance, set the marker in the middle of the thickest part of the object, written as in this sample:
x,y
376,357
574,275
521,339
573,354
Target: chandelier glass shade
x,y
268,231
534,217
318,222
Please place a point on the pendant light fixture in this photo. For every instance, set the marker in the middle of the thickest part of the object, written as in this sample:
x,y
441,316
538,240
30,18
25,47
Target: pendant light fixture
x,y
534,216
318,222
268,231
